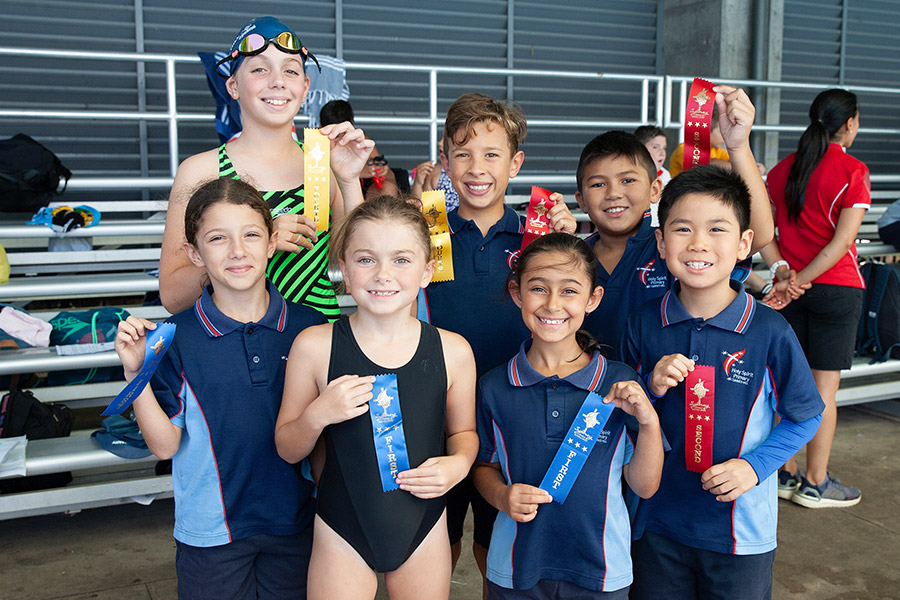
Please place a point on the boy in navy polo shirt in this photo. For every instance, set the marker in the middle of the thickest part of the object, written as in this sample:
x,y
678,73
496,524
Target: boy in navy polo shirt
x,y
722,367
617,182
481,143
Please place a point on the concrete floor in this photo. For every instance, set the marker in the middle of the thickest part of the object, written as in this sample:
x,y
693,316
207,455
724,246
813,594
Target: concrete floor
x,y
127,552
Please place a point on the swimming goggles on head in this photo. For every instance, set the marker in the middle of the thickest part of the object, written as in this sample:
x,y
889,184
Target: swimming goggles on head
x,y
255,43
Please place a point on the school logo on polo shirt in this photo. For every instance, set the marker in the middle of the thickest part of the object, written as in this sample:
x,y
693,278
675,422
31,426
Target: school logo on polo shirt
x,y
512,258
733,373
649,279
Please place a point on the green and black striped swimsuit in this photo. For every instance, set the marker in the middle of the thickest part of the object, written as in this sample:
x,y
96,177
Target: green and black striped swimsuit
x,y
303,276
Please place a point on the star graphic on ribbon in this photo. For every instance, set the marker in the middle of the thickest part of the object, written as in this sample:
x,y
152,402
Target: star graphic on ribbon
x,y
317,153
570,440
691,417
397,426
707,418
584,448
380,429
577,445
540,209
704,125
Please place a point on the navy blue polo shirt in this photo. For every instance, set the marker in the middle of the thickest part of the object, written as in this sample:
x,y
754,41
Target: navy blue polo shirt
x,y
221,382
523,417
475,304
640,276
760,370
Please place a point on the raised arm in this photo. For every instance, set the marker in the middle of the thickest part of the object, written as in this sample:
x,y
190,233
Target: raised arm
x,y
162,437
736,114
349,151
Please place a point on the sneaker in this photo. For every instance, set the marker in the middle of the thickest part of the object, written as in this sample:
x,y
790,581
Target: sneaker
x,y
829,494
788,484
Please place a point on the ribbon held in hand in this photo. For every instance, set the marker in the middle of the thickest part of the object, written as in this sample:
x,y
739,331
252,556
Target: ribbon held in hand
x,y
698,124
317,177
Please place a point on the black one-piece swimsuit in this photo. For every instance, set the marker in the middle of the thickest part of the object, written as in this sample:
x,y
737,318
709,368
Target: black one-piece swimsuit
x,y
385,528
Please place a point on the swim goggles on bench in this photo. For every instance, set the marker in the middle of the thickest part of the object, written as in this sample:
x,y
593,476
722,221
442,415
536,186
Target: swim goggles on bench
x,y
254,43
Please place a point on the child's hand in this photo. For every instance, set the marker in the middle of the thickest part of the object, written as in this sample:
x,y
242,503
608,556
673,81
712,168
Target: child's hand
x,y
736,114
630,397
345,398
729,479
295,232
561,218
521,501
349,150
131,331
434,477
423,172
669,372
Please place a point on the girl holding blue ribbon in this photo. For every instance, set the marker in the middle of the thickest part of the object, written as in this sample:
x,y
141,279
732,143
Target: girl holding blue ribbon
x,y
243,516
382,392
559,426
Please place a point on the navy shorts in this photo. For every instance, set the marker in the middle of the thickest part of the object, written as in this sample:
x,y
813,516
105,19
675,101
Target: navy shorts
x,y
267,567
458,499
546,589
663,568
825,319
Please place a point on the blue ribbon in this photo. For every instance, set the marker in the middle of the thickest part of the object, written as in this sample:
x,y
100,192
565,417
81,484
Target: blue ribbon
x,y
576,447
157,342
387,430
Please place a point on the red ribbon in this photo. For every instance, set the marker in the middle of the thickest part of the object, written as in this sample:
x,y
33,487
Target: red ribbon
x,y
379,181
699,417
537,223
697,124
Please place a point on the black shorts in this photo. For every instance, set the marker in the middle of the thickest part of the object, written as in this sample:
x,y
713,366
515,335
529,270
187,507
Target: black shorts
x,y
458,500
825,320
664,568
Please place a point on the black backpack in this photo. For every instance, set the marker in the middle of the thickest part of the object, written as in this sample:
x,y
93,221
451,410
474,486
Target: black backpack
x,y
29,175
23,414
878,335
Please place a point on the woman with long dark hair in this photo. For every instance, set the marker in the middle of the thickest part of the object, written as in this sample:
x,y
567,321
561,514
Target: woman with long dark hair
x,y
819,195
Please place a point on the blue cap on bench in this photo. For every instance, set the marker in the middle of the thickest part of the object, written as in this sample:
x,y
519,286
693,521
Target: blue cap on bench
x,y
122,437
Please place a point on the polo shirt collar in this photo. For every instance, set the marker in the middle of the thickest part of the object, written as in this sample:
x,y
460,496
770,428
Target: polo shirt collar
x,y
735,317
522,374
217,324
508,223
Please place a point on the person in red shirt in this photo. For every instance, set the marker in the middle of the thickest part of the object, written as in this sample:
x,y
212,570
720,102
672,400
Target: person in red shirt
x,y
819,196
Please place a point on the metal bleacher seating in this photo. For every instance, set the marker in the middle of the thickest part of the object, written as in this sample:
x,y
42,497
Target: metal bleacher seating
x,y
126,248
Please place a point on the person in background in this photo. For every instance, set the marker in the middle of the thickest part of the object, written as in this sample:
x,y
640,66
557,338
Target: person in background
x,y
820,195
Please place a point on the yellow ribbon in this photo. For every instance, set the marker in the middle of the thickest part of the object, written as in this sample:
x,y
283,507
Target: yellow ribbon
x,y
317,177
435,210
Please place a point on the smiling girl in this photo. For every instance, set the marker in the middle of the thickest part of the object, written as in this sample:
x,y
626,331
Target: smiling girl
x,y
268,79
243,516
374,515
555,403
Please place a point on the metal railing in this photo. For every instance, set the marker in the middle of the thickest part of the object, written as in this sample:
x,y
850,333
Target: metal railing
x,y
666,92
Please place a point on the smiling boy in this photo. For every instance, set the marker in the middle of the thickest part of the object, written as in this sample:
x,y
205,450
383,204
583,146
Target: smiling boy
x,y
721,366
617,182
481,142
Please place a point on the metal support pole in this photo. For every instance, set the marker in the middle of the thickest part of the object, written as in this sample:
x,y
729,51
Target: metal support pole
x,y
173,117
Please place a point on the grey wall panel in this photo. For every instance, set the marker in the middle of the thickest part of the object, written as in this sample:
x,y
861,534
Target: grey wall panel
x,y
870,55
580,35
